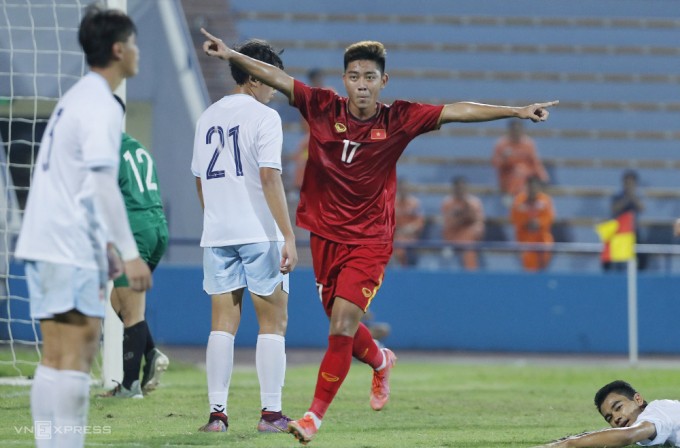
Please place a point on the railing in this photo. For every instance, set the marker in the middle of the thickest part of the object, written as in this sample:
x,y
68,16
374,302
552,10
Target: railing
x,y
667,252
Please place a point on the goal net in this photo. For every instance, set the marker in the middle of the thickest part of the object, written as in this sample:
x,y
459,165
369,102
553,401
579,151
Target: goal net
x,y
40,59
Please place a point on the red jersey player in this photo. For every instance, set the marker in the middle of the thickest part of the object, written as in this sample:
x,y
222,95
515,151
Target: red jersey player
x,y
347,199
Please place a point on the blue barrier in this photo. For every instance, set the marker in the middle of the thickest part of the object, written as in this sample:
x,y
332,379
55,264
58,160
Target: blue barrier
x,y
512,312
454,311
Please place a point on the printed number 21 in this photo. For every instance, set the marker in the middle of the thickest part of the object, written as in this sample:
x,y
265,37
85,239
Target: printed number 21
x,y
212,173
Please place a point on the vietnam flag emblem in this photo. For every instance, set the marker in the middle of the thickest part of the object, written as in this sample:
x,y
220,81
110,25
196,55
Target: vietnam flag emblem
x,y
378,134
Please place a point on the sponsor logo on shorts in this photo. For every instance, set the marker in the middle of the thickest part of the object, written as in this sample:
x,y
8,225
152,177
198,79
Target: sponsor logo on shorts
x,y
367,292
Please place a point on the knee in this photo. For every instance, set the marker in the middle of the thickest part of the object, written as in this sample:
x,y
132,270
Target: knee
x,y
276,324
344,326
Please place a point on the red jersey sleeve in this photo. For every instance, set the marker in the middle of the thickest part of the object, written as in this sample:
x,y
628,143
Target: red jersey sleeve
x,y
417,118
308,99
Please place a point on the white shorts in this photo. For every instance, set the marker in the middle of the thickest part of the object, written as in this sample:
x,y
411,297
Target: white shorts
x,y
254,266
57,288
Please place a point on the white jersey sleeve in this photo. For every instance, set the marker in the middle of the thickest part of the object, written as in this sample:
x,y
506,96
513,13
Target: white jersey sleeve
x,y
270,141
98,135
665,415
195,161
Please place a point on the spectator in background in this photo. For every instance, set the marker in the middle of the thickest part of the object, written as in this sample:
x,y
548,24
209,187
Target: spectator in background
x,y
533,214
516,159
463,219
627,200
676,227
410,223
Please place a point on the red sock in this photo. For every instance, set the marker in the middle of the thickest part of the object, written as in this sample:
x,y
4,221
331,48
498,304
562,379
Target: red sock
x,y
365,349
332,372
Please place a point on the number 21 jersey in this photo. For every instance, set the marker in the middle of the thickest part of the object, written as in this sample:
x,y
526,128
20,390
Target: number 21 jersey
x,y
235,137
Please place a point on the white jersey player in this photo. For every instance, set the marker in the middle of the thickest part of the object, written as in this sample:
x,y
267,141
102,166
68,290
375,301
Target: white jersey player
x,y
632,420
74,216
247,236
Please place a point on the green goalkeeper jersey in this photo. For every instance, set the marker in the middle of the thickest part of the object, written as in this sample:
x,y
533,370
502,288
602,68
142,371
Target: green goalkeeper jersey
x,y
139,185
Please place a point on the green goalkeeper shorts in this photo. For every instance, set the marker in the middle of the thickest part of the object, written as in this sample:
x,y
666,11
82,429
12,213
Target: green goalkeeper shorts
x,y
151,243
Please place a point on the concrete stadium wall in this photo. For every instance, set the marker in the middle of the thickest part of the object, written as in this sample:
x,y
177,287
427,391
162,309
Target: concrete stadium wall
x,y
512,312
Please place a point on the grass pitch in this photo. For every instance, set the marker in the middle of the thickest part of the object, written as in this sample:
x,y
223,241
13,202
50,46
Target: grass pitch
x,y
433,404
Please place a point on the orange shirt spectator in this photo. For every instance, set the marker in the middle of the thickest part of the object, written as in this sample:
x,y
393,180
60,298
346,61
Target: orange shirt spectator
x,y
463,219
516,159
410,222
532,215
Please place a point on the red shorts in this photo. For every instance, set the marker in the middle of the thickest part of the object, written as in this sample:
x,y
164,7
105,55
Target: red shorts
x,y
353,272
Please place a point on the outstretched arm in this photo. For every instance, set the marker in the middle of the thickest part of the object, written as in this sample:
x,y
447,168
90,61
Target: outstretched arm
x,y
472,112
268,74
610,437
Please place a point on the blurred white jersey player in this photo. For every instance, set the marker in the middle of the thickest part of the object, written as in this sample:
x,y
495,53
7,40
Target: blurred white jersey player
x,y
247,237
75,219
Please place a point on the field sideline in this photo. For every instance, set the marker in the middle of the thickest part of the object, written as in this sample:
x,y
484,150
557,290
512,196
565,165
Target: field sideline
x,y
437,401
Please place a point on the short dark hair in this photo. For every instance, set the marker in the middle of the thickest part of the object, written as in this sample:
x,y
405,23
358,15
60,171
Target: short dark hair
x,y
256,49
368,50
101,28
619,387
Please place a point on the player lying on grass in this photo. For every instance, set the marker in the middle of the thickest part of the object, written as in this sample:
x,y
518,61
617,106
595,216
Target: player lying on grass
x,y
633,420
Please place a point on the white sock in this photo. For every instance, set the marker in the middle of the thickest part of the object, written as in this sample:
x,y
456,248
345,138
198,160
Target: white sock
x,y
384,362
43,395
219,363
73,399
270,361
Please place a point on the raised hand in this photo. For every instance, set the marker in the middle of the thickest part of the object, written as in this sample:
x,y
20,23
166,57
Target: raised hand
x,y
537,112
215,47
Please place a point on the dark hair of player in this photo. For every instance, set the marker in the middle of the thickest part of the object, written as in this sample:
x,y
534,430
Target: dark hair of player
x,y
101,28
256,49
619,387
366,50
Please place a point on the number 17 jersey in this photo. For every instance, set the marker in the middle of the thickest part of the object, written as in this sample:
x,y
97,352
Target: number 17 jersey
x,y
235,137
349,186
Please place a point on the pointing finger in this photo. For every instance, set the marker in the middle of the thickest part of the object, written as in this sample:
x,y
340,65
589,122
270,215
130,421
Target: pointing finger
x,y
208,35
548,104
